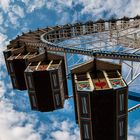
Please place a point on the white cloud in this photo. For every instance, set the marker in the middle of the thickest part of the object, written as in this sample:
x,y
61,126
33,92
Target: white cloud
x,y
13,126
53,5
64,18
66,3
67,106
3,74
58,135
3,29
3,43
115,7
1,18
94,7
5,4
14,13
2,38
49,5
67,131
25,1
25,133
132,138
18,11
13,19
2,90
134,131
36,4
132,9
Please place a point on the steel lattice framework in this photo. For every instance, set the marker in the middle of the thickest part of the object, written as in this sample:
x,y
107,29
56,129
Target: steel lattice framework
x,y
116,39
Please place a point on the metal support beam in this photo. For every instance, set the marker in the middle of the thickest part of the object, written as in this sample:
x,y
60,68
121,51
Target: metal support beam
x,y
66,64
134,108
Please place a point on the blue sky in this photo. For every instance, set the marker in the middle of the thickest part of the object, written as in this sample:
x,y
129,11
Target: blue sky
x,y
17,121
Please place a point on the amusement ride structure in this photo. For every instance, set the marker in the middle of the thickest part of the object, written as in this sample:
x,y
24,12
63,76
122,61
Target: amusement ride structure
x,y
42,61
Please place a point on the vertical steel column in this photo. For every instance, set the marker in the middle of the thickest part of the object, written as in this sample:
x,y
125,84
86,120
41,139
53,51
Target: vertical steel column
x,y
66,63
132,70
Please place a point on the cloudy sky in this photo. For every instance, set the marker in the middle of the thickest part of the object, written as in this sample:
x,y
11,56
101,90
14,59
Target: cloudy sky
x,y
17,121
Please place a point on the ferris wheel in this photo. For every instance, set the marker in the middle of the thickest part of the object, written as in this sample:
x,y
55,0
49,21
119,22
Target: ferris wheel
x,y
114,40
